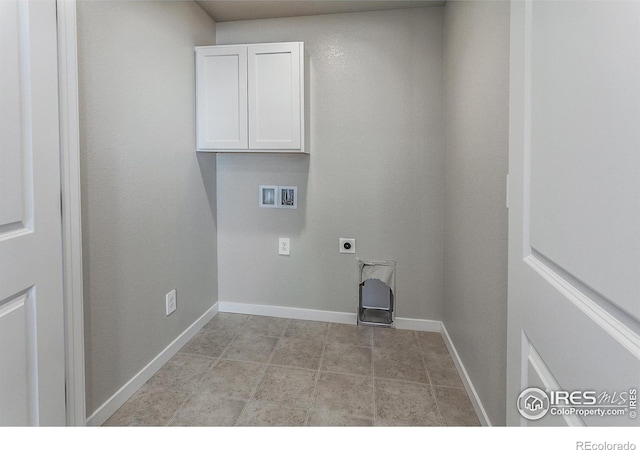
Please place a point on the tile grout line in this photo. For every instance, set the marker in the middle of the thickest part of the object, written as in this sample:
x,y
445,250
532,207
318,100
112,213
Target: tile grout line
x,y
424,361
349,374
215,362
233,339
244,324
426,371
457,388
400,380
264,371
373,382
431,388
357,416
315,386
191,392
216,359
440,416
435,398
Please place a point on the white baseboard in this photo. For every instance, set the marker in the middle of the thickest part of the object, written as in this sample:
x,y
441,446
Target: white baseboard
x,y
118,399
288,312
402,323
322,316
473,394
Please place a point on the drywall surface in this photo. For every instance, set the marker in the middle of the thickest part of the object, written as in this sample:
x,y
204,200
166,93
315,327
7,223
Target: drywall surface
x,y
375,132
476,84
148,220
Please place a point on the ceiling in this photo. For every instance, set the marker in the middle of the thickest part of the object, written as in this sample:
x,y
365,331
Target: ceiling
x,y
231,10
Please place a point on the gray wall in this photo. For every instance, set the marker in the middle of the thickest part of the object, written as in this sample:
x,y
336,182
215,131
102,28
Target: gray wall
x,y
476,55
149,224
374,174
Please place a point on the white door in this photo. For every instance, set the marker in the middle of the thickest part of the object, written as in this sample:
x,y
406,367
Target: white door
x,y
32,364
222,97
574,216
275,96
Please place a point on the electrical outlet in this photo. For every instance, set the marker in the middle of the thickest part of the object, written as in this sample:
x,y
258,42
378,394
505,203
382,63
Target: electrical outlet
x,y
283,246
171,302
347,245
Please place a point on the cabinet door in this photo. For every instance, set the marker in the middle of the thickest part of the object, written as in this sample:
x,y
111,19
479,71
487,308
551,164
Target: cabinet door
x,y
275,100
222,97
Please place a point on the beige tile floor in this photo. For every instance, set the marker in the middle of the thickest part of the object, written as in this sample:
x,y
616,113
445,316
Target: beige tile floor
x,y
263,371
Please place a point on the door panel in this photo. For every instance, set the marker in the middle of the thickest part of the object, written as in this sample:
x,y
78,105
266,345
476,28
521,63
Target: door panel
x,y
18,351
585,138
14,169
538,375
574,212
274,96
32,383
222,97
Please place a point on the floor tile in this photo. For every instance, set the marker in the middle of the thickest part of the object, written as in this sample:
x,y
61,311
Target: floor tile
x,y
265,326
227,322
183,371
149,406
287,385
347,394
208,343
405,404
235,379
392,338
399,364
259,414
335,419
350,334
298,353
442,371
264,371
205,409
347,359
251,348
455,407
306,329
432,344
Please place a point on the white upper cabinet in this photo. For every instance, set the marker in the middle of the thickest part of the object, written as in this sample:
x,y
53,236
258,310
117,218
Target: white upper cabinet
x,y
274,96
222,98
250,98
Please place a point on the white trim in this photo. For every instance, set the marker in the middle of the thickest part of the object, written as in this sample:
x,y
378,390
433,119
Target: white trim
x,y
118,399
471,390
403,323
288,312
71,211
591,305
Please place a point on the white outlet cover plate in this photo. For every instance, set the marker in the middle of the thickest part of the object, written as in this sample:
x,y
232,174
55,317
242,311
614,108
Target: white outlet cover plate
x,y
350,241
284,246
171,302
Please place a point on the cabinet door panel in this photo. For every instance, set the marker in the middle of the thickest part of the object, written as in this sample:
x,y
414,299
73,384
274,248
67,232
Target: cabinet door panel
x,y
222,97
274,96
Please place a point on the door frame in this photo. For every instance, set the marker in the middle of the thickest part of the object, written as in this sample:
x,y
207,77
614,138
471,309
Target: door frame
x,y
70,196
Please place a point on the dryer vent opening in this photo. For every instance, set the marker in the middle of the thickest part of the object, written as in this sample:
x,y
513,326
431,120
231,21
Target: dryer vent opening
x,y
376,303
376,299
